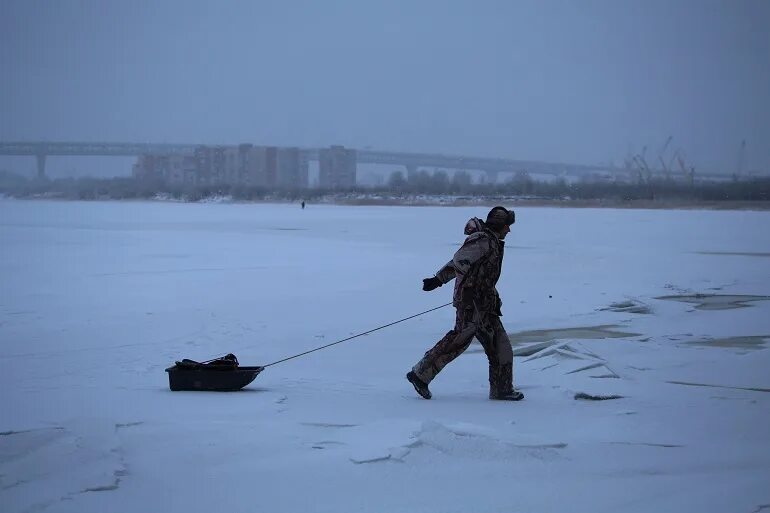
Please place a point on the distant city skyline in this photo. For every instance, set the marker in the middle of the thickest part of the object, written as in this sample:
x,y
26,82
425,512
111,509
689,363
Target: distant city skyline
x,y
576,82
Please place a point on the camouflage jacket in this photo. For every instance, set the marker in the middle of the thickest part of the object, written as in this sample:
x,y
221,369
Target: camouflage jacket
x,y
476,265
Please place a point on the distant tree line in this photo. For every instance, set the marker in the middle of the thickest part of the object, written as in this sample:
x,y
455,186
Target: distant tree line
x,y
522,184
419,183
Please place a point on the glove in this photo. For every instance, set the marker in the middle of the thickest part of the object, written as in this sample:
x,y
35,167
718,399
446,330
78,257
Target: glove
x,y
431,283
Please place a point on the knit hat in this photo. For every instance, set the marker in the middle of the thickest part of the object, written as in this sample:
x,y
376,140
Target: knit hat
x,y
500,216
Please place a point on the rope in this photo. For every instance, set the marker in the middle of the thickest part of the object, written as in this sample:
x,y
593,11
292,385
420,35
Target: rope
x,y
355,336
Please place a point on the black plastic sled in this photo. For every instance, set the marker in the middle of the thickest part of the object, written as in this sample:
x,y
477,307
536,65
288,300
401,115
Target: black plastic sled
x,y
220,375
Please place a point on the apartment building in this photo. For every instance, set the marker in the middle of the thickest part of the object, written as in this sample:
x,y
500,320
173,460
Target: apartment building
x,y
337,168
269,167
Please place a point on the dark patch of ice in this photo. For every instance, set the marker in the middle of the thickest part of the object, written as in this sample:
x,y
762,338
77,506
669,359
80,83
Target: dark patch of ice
x,y
716,301
734,253
752,389
122,425
547,336
372,460
9,433
328,425
629,306
591,397
745,342
649,444
105,488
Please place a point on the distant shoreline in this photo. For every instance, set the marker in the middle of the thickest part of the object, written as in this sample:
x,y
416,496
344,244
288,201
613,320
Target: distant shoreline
x,y
447,201
614,204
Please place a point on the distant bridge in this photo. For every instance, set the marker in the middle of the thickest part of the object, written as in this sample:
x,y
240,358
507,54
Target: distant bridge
x,y
41,150
492,166
411,161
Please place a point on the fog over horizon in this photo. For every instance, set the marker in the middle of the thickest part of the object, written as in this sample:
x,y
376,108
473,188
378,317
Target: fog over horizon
x,y
576,82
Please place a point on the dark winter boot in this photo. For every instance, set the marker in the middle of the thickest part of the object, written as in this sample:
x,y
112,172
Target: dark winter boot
x,y
501,384
419,385
514,395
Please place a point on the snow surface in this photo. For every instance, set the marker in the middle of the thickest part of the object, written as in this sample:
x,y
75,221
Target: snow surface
x,y
96,299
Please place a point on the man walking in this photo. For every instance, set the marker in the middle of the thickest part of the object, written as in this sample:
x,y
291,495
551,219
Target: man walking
x,y
476,268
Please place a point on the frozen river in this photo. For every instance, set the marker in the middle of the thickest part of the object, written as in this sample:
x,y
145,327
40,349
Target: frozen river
x,y
668,309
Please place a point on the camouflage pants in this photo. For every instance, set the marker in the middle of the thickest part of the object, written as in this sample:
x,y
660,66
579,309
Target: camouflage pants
x,y
490,332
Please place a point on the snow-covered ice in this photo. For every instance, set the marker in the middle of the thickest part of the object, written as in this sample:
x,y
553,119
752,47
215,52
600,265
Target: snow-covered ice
x,y
96,299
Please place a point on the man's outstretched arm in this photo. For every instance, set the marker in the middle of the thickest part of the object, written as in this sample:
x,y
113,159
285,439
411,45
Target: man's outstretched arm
x,y
469,253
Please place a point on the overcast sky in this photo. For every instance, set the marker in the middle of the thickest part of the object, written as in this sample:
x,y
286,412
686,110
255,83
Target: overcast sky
x,y
564,81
